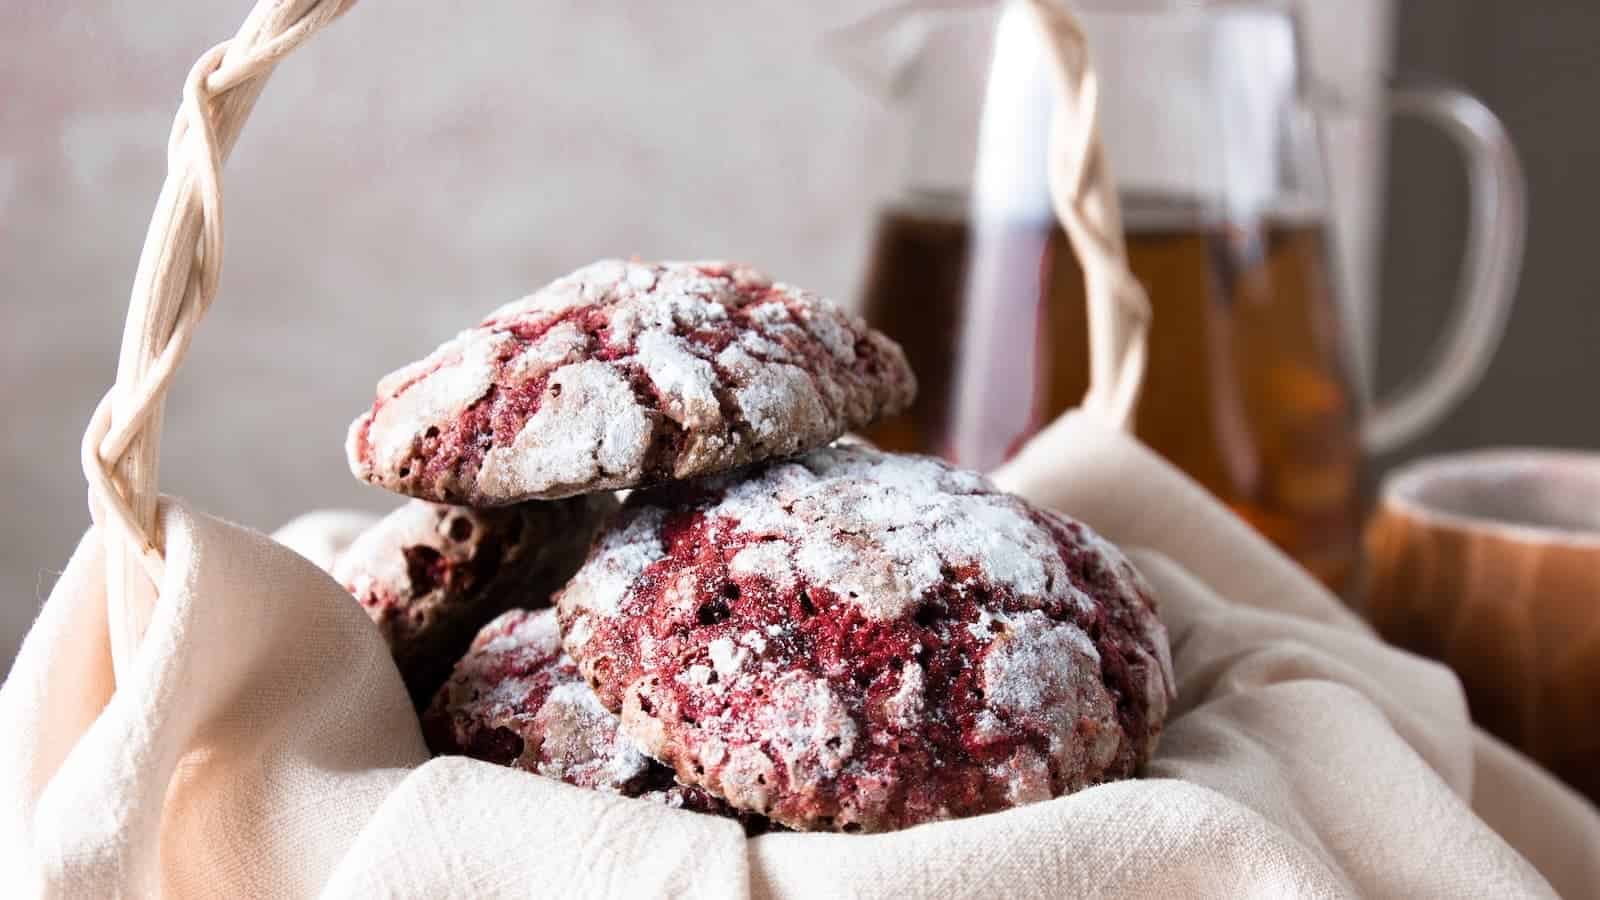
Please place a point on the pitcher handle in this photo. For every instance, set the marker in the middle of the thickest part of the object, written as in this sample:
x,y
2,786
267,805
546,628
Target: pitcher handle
x,y
1490,267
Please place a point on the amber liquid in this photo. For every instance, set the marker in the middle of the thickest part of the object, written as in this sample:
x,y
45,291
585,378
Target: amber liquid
x,y
1245,391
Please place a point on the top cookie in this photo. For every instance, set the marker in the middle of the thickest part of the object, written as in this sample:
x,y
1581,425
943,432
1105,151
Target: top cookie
x,y
624,374
856,640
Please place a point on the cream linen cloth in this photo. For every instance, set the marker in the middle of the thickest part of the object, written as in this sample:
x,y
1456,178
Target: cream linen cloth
x,y
263,746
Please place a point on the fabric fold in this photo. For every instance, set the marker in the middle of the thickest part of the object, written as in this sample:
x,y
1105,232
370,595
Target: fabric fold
x,y
265,747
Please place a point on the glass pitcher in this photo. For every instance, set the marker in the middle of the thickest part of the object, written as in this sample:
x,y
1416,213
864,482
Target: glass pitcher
x,y
1214,133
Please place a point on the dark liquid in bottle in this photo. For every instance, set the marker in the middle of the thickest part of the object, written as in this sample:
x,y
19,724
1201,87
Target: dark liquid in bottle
x,y
1246,389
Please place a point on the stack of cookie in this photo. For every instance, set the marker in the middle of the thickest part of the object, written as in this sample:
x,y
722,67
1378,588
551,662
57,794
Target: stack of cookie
x,y
772,626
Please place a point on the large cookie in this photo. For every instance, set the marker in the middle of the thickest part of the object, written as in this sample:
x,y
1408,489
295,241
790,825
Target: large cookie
x,y
863,641
431,575
624,374
517,700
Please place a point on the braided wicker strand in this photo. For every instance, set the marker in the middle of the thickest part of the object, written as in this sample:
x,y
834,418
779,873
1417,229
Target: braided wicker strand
x,y
1085,200
176,282
181,263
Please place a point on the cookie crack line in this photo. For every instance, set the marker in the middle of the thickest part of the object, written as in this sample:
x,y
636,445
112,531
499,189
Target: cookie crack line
x,y
543,399
518,340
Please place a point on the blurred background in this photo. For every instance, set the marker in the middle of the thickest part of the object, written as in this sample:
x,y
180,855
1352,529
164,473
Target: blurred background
x,y
421,163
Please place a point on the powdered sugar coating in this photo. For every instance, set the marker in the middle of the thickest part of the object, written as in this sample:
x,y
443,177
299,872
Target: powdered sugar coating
x,y
624,374
517,700
431,575
864,641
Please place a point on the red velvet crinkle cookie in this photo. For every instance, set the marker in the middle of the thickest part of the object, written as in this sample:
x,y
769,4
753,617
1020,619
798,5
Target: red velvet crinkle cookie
x,y
855,640
517,700
431,575
624,374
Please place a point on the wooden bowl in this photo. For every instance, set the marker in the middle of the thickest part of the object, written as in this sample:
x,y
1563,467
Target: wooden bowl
x,y
1490,563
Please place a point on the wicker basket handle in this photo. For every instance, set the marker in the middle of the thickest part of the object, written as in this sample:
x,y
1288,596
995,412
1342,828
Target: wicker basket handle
x,y
1085,199
175,284
182,258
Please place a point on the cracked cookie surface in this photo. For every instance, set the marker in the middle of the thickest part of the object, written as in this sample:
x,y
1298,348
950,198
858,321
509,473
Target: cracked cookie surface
x,y
624,374
517,700
855,640
430,575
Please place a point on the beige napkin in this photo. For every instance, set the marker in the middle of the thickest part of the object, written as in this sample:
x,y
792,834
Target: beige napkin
x,y
263,746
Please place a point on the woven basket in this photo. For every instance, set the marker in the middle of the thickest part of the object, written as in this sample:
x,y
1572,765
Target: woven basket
x,y
182,259
259,742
